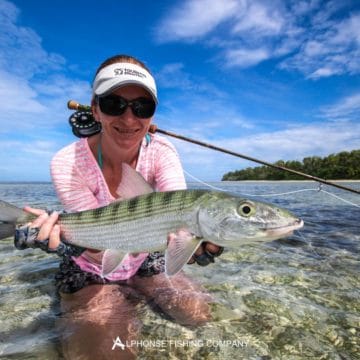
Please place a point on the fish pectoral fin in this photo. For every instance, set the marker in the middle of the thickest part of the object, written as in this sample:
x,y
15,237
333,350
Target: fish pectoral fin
x,y
111,260
180,249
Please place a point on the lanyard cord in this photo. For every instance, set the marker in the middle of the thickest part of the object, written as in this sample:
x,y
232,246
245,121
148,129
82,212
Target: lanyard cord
x,y
99,151
99,154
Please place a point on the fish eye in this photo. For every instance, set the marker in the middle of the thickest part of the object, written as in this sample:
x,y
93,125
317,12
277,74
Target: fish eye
x,y
246,209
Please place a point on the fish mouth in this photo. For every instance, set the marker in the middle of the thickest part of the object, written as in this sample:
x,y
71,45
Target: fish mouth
x,y
283,231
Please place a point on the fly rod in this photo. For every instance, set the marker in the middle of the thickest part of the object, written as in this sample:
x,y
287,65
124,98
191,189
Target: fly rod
x,y
73,105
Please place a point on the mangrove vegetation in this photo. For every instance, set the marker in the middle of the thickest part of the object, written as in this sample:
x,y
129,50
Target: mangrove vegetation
x,y
340,166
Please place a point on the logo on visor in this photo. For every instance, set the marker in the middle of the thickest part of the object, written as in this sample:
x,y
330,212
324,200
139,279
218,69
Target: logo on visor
x,y
125,71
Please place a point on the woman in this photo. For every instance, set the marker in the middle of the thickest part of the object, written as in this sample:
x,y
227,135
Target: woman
x,y
88,174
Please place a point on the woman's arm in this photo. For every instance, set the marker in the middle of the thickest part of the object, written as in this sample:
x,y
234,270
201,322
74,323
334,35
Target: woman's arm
x,y
169,174
72,188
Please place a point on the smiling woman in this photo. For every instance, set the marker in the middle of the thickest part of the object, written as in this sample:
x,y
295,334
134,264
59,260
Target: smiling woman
x,y
122,130
91,173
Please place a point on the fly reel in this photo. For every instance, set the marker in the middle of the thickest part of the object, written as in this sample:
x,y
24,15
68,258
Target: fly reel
x,y
83,124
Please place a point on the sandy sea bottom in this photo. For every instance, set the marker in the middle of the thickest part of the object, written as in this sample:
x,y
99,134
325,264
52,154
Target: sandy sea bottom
x,y
296,298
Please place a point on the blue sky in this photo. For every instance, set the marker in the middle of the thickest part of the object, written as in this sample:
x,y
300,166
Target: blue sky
x,y
270,79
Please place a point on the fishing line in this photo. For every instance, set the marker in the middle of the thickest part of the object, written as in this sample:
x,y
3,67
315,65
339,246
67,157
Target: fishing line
x,y
322,258
309,244
260,195
153,128
87,112
319,189
203,182
307,241
338,197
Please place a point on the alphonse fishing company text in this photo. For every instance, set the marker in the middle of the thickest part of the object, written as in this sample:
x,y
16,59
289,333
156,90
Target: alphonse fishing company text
x,y
158,343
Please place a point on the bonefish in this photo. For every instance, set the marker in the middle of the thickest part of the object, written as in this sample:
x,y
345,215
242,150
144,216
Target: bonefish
x,y
143,223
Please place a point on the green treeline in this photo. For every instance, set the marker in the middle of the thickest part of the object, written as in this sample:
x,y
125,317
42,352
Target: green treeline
x,y
344,165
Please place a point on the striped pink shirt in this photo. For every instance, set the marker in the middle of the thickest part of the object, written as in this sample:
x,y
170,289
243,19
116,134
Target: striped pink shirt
x,y
80,185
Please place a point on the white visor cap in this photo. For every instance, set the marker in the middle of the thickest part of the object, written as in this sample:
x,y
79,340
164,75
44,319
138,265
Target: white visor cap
x,y
117,75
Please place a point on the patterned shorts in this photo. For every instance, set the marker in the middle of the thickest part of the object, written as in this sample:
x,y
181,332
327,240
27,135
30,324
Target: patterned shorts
x,y
72,278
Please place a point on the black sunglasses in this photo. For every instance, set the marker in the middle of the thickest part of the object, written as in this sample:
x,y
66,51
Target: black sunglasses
x,y
115,105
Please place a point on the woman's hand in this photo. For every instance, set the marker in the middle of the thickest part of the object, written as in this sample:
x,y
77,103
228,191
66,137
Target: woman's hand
x,y
48,229
206,253
44,233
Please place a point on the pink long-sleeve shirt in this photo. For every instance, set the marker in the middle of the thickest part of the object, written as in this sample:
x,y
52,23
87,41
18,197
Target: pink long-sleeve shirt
x,y
80,185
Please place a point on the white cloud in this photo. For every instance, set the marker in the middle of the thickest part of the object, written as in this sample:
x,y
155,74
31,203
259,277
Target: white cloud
x,y
246,57
259,18
314,48
298,142
21,51
175,76
194,19
44,148
197,102
347,108
331,48
325,72
33,89
318,39
294,141
289,144
33,92
22,59
17,95
27,159
27,105
303,7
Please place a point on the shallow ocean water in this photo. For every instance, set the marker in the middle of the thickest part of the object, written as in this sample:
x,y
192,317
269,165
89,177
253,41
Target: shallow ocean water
x,y
296,298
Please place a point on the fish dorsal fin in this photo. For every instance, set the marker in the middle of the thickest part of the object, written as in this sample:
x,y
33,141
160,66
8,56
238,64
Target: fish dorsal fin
x,y
132,183
180,249
111,261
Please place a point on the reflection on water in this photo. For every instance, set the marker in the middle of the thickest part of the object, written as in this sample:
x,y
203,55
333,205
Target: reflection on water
x,y
288,299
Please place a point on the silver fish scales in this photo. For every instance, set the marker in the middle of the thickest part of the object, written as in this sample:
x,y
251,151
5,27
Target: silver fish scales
x,y
134,225
143,223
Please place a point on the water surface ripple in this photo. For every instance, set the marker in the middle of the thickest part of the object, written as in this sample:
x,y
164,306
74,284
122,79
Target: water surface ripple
x,y
296,298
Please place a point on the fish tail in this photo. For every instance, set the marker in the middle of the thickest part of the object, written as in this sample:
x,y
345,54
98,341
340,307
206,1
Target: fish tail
x,y
10,215
6,230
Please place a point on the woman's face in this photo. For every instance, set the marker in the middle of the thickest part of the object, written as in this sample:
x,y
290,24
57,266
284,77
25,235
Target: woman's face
x,y
126,130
